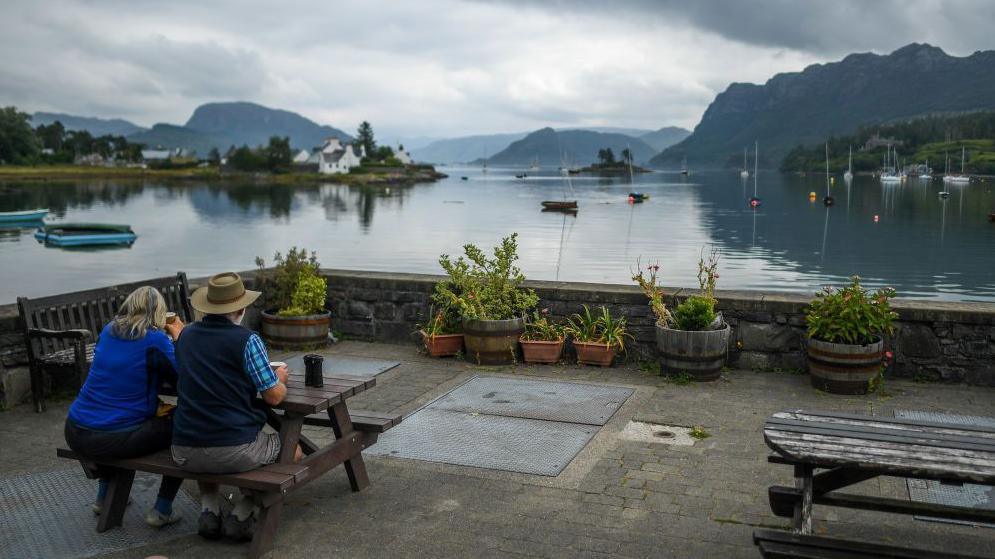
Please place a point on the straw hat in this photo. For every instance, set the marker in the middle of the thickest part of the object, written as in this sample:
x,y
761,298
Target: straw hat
x,y
224,293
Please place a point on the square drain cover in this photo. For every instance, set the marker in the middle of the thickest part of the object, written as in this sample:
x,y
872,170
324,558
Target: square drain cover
x,y
512,444
536,399
517,425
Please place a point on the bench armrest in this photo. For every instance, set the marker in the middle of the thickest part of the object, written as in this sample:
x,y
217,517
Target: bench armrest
x,y
75,334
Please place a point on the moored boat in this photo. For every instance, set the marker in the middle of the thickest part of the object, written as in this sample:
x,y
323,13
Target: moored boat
x,y
23,216
85,234
560,204
638,197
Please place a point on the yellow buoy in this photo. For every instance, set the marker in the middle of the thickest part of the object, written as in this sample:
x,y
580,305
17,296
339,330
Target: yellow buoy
x,y
811,195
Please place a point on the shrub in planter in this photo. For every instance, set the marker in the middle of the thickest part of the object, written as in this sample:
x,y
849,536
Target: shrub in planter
x,y
845,337
441,334
542,341
295,317
597,337
487,294
692,339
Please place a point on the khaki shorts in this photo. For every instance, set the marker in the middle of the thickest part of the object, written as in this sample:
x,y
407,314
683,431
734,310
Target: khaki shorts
x,y
228,459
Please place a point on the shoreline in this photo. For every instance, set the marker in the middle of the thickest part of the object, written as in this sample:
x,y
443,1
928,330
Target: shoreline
x,y
57,173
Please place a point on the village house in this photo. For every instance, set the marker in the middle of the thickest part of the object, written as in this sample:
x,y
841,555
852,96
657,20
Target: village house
x,y
337,158
302,157
403,156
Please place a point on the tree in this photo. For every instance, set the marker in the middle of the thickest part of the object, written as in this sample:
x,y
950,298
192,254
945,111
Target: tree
x,y
214,156
606,157
246,159
51,136
18,143
364,135
627,156
278,154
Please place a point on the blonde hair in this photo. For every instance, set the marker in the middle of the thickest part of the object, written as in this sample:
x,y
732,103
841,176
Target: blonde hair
x,y
143,310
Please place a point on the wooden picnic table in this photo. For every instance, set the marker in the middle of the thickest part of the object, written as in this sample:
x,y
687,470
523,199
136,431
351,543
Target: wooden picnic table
x,y
325,405
851,448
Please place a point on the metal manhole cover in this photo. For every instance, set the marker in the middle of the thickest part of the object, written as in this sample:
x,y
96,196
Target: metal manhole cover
x,y
485,441
536,399
48,514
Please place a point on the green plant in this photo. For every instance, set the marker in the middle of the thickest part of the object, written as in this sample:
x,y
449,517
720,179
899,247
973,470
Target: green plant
x,y
653,291
308,297
694,313
682,378
850,315
441,323
603,328
280,283
698,432
538,327
485,288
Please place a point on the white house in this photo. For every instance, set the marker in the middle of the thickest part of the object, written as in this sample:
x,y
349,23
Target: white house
x,y
302,156
337,158
156,154
403,156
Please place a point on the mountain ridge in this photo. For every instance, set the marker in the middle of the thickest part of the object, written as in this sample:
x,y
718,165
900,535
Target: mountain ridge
x,y
570,147
95,126
834,98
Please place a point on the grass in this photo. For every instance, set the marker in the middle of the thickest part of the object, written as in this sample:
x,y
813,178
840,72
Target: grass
x,y
681,379
698,432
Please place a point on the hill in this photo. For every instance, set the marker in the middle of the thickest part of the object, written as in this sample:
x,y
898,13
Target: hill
x,y
95,126
222,125
577,147
665,137
464,149
833,99
916,141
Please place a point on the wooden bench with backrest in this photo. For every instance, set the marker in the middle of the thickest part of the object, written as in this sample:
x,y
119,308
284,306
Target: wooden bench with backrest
x,y
272,481
779,544
60,331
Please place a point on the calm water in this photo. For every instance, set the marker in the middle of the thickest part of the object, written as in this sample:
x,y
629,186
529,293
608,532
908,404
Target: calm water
x,y
922,245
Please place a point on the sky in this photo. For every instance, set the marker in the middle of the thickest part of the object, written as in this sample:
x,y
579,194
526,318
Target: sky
x,y
442,68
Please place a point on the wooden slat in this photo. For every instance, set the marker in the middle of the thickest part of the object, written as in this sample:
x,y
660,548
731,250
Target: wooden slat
x,y
782,498
789,544
887,422
942,440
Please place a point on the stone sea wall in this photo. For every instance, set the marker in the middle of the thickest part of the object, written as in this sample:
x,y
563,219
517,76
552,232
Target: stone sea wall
x,y
935,341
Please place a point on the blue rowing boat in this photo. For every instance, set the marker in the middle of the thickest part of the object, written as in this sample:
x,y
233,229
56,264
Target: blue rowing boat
x,y
85,234
23,216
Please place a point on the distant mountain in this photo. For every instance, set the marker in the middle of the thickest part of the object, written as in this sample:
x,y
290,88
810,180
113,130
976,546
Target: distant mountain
x,y
577,147
634,132
95,126
665,137
222,125
464,149
835,99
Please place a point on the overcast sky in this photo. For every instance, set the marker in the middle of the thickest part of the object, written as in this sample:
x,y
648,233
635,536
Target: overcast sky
x,y
444,67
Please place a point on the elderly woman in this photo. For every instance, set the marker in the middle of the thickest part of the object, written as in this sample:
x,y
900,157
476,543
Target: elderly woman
x,y
116,414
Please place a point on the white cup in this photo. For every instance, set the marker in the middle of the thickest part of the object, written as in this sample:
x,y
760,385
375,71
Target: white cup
x,y
276,365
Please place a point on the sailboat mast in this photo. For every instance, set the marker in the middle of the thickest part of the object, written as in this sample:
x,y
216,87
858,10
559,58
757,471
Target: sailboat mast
x,y
962,148
756,163
827,168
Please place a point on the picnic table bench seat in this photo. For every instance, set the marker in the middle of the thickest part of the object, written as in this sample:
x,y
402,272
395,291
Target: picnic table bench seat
x,y
362,420
779,544
60,331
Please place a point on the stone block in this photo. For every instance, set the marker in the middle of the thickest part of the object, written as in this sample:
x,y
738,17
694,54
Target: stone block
x,y
917,340
15,386
384,311
358,309
353,328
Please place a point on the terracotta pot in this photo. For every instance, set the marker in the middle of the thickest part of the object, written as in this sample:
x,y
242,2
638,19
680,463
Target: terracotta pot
x,y
594,354
442,345
699,353
492,342
295,332
843,368
541,351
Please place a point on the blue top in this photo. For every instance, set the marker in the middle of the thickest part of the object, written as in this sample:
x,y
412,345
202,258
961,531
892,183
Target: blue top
x,y
122,389
222,367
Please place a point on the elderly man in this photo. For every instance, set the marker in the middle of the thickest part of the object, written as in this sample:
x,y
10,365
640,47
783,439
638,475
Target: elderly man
x,y
217,427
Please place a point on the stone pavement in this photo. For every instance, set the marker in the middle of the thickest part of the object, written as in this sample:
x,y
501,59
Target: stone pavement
x,y
616,499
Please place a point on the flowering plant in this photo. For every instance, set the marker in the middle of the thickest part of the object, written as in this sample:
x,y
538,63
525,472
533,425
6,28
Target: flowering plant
x,y
442,322
485,288
653,291
600,328
697,312
850,315
538,328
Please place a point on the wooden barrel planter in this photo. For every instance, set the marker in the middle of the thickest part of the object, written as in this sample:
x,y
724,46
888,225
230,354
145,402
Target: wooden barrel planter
x,y
699,353
296,332
492,342
843,368
443,345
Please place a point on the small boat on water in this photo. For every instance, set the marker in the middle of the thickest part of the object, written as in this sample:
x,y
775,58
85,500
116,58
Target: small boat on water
x,y
567,211
85,234
23,216
991,217
560,204
522,176
638,197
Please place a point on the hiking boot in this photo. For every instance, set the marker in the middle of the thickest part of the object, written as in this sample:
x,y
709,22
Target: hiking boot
x,y
156,519
209,525
239,530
